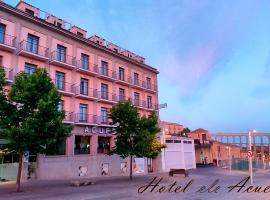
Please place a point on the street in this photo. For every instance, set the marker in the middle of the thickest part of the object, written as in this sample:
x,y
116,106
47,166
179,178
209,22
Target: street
x,y
202,183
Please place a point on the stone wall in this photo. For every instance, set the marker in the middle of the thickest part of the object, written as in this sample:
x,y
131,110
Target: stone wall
x,y
80,166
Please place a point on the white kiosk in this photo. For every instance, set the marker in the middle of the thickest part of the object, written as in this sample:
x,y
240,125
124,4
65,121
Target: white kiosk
x,y
179,154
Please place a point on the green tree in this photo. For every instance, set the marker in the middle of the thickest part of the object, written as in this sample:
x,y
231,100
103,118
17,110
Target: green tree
x,y
135,136
184,132
29,116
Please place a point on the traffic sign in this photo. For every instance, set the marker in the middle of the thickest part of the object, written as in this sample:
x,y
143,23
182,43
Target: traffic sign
x,y
250,154
26,156
164,105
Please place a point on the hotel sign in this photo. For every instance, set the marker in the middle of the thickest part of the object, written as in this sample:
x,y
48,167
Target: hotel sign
x,y
99,130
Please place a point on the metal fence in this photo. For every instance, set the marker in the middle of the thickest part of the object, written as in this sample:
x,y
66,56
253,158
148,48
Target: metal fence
x,y
242,164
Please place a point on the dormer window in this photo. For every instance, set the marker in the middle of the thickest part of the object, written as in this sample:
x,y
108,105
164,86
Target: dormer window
x,y
79,34
59,24
30,12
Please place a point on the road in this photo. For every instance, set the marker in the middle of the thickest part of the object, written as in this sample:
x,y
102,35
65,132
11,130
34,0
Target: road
x,y
195,187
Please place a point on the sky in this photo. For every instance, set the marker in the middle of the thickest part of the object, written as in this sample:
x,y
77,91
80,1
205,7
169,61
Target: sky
x,y
213,56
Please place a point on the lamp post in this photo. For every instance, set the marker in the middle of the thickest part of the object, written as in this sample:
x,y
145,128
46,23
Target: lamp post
x,y
250,157
164,130
230,160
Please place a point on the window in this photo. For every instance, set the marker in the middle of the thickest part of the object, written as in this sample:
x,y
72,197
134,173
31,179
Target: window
x,y
79,34
2,33
149,102
104,68
104,91
169,141
84,61
60,106
121,73
83,113
136,98
121,94
82,144
59,24
30,12
32,43
136,79
104,115
61,53
1,61
103,144
60,80
29,68
84,86
148,83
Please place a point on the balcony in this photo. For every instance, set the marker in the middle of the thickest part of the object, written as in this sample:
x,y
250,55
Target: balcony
x,y
7,42
63,60
86,119
69,117
33,51
107,97
87,68
107,74
86,92
136,83
9,74
64,87
105,121
149,86
121,98
143,104
124,80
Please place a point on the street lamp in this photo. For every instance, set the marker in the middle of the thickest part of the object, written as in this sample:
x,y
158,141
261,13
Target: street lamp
x,y
164,130
250,157
230,160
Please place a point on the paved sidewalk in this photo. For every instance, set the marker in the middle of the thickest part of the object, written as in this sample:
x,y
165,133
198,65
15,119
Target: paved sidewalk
x,y
122,188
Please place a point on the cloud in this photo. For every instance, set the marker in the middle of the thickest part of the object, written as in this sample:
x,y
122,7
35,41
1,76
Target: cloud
x,y
207,46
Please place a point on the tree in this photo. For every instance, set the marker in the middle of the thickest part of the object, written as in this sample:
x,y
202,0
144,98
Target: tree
x,y
135,136
184,132
29,116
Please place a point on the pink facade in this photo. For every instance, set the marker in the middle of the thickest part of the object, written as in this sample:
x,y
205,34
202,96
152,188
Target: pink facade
x,y
91,74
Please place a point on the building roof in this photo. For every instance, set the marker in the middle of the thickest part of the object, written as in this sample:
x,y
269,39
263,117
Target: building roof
x,y
68,33
170,123
199,130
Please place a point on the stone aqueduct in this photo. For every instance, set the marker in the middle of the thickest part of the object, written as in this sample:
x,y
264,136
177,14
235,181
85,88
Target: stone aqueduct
x,y
260,142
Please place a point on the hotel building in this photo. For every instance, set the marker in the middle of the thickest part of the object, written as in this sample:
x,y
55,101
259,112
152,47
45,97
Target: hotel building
x,y
90,73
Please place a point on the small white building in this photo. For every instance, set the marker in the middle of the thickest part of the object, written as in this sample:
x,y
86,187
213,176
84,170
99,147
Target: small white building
x,y
179,154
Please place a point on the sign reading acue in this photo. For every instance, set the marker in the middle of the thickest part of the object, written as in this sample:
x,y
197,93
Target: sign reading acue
x,y
99,130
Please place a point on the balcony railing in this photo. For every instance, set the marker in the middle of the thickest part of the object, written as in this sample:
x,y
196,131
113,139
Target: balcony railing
x,y
86,91
8,73
88,67
63,58
104,120
64,86
124,78
33,48
149,86
86,118
121,98
107,96
69,116
136,102
107,73
7,40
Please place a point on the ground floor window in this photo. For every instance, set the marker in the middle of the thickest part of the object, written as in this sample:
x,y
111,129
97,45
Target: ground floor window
x,y
103,144
58,148
82,144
